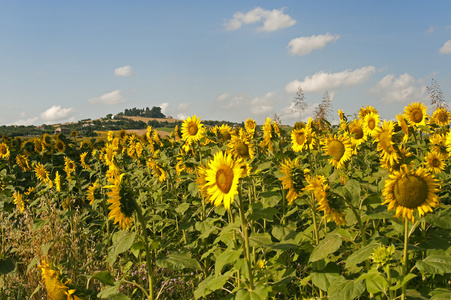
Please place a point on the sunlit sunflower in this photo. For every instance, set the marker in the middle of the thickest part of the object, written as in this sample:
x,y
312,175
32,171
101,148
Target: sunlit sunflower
x,y
18,201
139,149
407,190
356,132
435,162
438,143
250,126
41,173
60,146
340,148
38,145
402,155
385,144
110,136
267,134
192,129
56,289
329,202
441,116
157,170
94,192
177,133
156,138
201,182
121,200
22,161
83,161
57,181
69,166
299,139
276,128
341,114
294,180
363,111
415,113
370,123
240,145
225,132
4,151
404,127
109,155
245,168
221,179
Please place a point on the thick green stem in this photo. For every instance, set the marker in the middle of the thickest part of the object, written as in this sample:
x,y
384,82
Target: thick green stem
x,y
244,226
405,256
148,254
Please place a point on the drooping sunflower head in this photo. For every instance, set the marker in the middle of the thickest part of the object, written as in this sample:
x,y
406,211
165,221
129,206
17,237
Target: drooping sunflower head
x,y
22,161
250,126
18,201
383,136
57,181
340,150
46,139
94,192
408,191
294,179
83,161
4,151
38,145
122,134
222,176
192,129
69,166
157,170
363,111
121,200
342,116
441,116
60,146
370,123
415,113
356,132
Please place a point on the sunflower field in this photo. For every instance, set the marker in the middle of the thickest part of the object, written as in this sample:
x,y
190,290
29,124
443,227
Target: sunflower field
x,y
358,210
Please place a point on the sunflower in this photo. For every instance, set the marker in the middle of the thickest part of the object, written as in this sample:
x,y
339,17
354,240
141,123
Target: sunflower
x,y
435,162
58,181
267,134
403,124
241,146
4,151
294,179
177,133
121,200
22,161
357,133
299,139
110,136
226,133
370,123
69,166
329,202
41,173
192,129
415,113
441,116
94,192
56,289
363,111
18,201
60,146
157,170
46,139
341,114
250,126
38,145
221,179
122,134
407,190
438,143
340,148
385,144
276,128
109,155
83,161
401,155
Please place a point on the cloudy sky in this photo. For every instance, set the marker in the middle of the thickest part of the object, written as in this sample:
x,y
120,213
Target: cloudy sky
x,y
221,60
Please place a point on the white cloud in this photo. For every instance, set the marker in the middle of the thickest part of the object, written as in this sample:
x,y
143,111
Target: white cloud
x,y
27,122
125,71
446,49
225,100
431,29
322,81
163,107
56,113
402,89
272,19
111,98
305,44
182,116
183,106
262,105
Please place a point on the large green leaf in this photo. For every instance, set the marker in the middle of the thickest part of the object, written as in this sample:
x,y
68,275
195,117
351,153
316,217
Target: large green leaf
x,y
374,281
325,277
259,239
435,264
346,289
178,261
104,277
229,256
259,293
211,284
122,241
330,244
7,265
360,255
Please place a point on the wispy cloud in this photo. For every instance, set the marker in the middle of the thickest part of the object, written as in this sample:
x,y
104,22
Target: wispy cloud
x,y
446,49
431,29
226,100
164,107
402,89
272,19
125,71
305,44
263,105
111,98
57,113
322,81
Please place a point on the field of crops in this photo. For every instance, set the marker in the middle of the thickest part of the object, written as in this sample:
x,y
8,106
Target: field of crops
x,y
357,210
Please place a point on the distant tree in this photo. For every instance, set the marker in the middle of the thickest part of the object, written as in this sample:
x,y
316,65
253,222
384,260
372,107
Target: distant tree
x,y
155,112
108,116
299,102
436,97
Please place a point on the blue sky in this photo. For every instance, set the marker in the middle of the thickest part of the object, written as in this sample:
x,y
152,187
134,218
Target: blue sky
x,y
63,61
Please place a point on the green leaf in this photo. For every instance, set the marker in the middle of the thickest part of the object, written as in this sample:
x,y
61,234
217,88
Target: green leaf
x,y
360,255
211,284
259,239
435,264
104,277
32,264
353,187
402,280
111,291
7,265
259,293
122,241
178,261
441,219
329,245
374,281
258,212
441,294
325,277
346,289
229,256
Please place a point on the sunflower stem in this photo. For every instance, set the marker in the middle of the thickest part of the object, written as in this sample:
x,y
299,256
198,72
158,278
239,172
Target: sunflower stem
x,y
405,256
148,254
244,226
